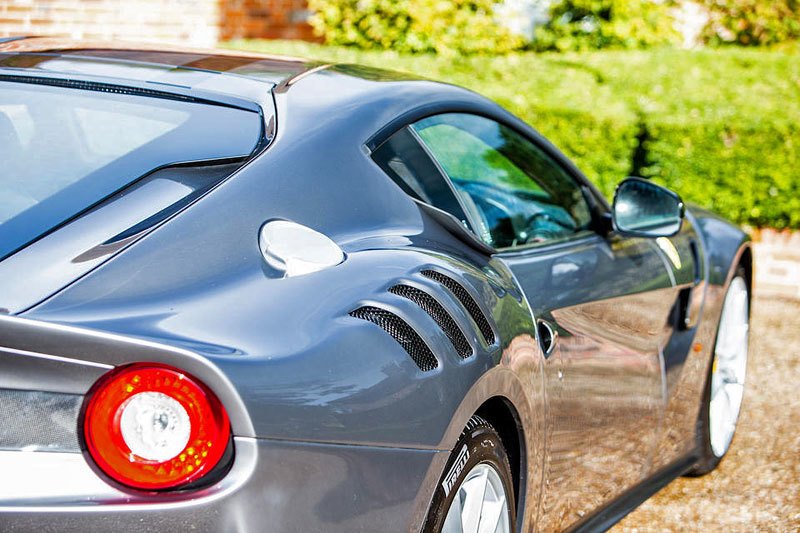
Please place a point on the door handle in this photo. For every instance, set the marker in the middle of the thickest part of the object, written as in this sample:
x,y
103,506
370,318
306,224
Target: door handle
x,y
548,337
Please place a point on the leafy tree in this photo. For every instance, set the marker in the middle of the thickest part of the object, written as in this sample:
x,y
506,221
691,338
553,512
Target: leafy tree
x,y
752,22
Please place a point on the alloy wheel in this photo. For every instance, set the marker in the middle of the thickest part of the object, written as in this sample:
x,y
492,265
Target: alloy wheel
x,y
729,367
480,505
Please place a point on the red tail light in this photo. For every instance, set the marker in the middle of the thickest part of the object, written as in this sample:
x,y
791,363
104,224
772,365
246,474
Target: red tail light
x,y
153,427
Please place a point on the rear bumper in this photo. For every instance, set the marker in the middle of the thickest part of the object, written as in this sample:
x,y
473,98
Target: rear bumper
x,y
273,486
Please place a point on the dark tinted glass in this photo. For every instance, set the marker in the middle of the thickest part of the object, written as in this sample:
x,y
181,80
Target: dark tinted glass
x,y
513,190
411,167
63,150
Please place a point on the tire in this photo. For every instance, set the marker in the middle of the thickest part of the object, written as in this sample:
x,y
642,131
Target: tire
x,y
714,437
479,460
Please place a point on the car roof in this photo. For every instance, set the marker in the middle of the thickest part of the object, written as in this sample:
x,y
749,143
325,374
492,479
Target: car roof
x,y
230,77
169,69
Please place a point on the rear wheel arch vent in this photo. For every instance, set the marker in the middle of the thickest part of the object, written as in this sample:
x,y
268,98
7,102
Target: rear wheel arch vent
x,y
402,332
439,314
466,299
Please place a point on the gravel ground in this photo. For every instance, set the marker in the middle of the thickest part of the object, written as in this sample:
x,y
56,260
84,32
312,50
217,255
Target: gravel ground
x,y
757,486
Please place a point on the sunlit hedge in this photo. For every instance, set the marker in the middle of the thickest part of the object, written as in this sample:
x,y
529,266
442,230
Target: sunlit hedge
x,y
413,26
722,127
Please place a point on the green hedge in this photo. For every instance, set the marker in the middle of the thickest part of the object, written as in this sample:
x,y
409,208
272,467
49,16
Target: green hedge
x,y
446,27
596,24
722,127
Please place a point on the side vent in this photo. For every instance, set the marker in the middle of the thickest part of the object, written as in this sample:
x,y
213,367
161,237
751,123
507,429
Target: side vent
x,y
466,300
402,333
438,313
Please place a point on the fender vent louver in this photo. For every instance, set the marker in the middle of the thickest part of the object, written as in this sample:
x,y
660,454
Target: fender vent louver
x,y
402,333
438,313
466,300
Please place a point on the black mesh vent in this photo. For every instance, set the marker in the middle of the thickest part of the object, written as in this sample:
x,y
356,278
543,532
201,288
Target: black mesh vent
x,y
466,300
438,313
402,333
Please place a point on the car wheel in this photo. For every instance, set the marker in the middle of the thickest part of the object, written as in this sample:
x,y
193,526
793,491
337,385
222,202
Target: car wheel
x,y
475,493
722,399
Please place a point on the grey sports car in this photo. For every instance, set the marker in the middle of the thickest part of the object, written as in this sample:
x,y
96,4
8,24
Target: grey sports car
x,y
250,293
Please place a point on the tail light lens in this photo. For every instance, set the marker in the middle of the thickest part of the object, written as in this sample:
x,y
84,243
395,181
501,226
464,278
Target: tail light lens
x,y
153,427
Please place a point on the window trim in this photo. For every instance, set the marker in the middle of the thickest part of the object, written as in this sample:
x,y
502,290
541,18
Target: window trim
x,y
555,244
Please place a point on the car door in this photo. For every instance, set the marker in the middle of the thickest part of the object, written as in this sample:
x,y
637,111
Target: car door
x,y
602,303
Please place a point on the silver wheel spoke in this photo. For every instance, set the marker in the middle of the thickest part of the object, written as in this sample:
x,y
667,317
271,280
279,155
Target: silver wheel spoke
x,y
452,523
480,504
475,489
730,367
490,516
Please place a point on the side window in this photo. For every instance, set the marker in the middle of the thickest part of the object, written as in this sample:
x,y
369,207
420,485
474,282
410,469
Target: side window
x,y
411,167
512,190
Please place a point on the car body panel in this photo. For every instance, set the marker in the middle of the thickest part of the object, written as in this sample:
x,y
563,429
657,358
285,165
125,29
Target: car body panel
x,y
338,428
298,486
607,362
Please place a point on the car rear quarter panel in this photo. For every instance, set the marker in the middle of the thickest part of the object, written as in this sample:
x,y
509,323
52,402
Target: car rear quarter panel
x,y
302,367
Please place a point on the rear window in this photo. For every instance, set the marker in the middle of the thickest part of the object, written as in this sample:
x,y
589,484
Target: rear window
x,y
64,150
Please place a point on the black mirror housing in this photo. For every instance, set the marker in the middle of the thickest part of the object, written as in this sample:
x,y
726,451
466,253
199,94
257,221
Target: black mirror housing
x,y
643,209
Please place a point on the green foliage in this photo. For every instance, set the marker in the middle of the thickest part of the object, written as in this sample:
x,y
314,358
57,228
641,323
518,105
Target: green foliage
x,y
721,127
752,22
413,26
595,24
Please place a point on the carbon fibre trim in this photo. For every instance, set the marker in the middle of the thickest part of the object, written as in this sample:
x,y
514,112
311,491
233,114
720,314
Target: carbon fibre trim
x,y
39,421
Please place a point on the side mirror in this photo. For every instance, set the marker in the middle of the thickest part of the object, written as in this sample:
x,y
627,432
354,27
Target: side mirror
x,y
644,209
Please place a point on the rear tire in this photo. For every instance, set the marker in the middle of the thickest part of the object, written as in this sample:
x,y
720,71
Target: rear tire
x,y
722,398
476,488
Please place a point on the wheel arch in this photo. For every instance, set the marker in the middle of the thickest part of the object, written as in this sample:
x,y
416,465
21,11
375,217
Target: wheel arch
x,y
517,413
746,262
504,418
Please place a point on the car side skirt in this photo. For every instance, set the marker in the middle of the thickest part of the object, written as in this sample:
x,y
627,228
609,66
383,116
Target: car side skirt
x,y
617,509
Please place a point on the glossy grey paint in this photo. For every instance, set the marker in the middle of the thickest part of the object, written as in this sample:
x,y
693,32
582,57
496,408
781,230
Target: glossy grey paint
x,y
230,307
290,486
196,293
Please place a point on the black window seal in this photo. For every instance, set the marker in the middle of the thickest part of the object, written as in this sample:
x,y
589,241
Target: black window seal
x,y
135,89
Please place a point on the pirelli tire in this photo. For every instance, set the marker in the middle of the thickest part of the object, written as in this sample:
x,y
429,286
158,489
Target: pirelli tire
x,y
476,491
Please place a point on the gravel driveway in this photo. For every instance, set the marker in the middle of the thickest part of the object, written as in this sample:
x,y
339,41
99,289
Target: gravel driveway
x,y
757,486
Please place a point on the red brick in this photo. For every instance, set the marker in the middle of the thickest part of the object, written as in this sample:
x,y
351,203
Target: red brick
x,y
156,19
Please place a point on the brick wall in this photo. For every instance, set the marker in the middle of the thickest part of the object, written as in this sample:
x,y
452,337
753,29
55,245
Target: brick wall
x,y
777,263
267,19
189,22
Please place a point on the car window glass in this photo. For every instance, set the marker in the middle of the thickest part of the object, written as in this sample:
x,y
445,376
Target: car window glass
x,y
516,193
411,167
66,149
